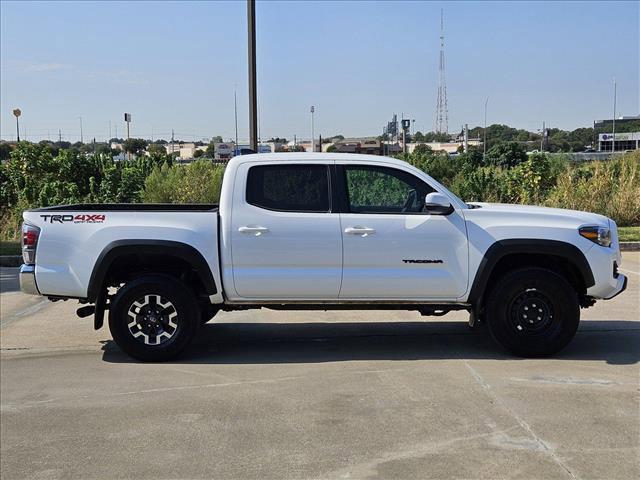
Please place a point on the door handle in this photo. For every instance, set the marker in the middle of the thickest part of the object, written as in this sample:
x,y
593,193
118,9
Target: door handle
x,y
255,231
363,231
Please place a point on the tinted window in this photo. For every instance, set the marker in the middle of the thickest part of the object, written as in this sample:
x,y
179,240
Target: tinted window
x,y
296,188
384,190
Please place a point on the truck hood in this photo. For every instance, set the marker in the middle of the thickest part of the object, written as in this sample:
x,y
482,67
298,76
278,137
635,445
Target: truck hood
x,y
534,213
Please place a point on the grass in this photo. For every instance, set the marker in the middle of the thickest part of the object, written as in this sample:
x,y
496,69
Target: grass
x,y
629,234
9,248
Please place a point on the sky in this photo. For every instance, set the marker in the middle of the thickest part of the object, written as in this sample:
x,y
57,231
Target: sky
x,y
176,65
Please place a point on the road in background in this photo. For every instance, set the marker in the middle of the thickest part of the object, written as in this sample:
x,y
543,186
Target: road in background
x,y
358,394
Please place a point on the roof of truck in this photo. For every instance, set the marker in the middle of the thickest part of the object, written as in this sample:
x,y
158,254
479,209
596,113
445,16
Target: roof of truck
x,y
351,157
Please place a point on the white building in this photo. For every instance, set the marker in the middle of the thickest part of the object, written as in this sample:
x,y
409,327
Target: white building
x,y
624,141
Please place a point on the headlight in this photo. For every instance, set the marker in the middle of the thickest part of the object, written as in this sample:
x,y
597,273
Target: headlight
x,y
599,235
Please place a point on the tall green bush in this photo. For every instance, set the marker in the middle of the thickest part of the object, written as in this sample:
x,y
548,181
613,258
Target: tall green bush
x,y
197,182
611,188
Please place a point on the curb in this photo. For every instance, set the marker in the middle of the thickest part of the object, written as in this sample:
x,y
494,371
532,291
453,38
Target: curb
x,y
10,260
629,246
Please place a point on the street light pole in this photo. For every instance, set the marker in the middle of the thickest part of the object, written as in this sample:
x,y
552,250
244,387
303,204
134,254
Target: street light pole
x,y
484,141
17,112
313,146
235,113
253,94
81,136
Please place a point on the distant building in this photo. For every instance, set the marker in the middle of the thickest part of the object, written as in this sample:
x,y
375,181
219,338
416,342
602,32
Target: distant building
x,y
305,144
448,147
624,141
366,145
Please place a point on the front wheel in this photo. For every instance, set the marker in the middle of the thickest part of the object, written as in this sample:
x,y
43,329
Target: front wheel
x,y
154,318
533,312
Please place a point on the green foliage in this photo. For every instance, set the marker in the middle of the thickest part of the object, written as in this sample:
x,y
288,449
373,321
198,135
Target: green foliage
x,y
156,149
135,145
197,182
420,137
611,188
34,177
439,165
506,155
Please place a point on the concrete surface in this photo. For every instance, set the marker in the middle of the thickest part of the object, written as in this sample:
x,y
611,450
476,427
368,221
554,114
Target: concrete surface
x,y
335,395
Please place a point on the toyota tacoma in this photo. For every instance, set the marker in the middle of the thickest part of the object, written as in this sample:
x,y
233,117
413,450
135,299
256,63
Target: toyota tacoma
x,y
322,231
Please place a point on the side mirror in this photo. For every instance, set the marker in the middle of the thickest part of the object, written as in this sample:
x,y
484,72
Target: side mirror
x,y
437,204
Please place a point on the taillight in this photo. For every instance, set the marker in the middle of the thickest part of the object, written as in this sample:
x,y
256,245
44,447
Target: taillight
x,y
30,236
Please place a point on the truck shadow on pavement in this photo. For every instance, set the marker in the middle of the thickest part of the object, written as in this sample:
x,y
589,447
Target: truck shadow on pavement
x,y
616,342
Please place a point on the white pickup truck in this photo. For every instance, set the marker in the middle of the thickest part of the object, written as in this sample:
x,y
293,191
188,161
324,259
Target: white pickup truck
x,y
323,231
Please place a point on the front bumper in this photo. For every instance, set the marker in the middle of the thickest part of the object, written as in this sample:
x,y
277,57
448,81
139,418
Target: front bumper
x,y
620,287
28,280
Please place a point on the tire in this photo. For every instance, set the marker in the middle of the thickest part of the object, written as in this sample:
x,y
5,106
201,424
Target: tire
x,y
551,299
153,318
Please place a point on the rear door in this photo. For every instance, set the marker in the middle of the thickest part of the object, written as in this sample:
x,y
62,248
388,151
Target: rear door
x,y
285,240
393,249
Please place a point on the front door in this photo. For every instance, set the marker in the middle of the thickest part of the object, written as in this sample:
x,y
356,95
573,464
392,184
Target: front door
x,y
393,249
286,243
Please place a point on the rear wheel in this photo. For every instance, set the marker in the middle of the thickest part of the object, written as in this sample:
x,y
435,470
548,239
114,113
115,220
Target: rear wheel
x,y
533,312
153,318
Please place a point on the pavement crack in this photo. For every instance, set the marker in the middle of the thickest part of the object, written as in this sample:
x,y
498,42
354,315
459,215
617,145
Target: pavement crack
x,y
544,446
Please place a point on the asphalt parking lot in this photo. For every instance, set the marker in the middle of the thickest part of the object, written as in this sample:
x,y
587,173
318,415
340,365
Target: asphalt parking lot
x,y
332,395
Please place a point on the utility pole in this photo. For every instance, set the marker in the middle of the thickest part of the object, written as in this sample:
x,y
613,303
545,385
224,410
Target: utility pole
x,y
615,94
172,142
484,141
313,145
542,138
127,118
81,137
59,135
466,138
109,131
253,94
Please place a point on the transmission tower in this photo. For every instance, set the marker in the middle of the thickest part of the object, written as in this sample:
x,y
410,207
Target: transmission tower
x,y
442,111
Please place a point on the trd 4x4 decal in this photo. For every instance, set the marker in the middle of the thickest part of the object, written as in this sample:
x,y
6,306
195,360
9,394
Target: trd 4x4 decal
x,y
81,218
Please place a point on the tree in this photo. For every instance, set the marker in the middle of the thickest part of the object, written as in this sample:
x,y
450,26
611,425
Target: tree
x,y
198,153
156,149
135,145
507,154
472,157
331,148
216,139
422,149
210,152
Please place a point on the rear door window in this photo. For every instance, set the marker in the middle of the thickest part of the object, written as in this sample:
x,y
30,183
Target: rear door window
x,y
289,188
